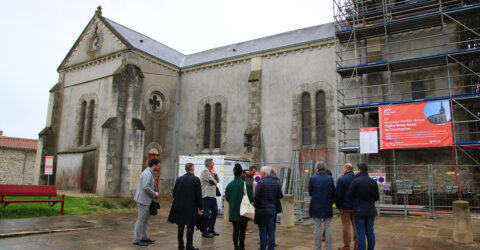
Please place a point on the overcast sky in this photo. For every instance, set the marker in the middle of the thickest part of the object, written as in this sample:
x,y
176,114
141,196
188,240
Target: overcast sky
x,y
36,35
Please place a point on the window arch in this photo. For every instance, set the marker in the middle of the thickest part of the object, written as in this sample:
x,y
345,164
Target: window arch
x,y
83,115
206,128
313,109
85,120
306,120
211,125
91,113
218,125
320,118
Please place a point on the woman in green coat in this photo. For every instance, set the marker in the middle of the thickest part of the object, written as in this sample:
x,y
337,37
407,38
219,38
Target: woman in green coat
x,y
234,195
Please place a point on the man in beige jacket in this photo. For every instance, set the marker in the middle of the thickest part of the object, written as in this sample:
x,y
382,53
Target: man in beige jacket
x,y
209,180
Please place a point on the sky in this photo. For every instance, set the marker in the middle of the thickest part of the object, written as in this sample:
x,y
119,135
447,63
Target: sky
x,y
35,36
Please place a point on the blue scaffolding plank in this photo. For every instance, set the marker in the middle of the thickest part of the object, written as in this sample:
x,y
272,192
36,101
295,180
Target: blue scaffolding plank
x,y
349,109
406,63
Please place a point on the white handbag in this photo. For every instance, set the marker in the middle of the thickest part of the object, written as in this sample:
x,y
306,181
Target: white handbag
x,y
246,208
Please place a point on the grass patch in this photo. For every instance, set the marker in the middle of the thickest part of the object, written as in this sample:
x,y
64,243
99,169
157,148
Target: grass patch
x,y
73,206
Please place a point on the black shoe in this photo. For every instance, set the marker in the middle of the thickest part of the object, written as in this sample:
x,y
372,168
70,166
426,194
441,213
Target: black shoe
x,y
140,244
194,248
214,233
207,235
148,241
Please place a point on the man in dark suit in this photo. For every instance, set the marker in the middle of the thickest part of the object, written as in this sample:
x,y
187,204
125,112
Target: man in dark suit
x,y
345,206
322,192
364,192
144,196
187,203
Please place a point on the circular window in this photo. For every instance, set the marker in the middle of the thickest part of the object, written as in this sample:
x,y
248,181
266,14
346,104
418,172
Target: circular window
x,y
156,102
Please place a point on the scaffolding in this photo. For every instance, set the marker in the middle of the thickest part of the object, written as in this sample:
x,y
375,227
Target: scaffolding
x,y
405,51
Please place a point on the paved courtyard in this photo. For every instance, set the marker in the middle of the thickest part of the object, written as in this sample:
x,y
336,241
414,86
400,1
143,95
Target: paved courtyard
x,y
115,231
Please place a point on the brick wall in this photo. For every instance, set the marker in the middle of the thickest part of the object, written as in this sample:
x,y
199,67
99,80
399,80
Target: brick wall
x,y
11,166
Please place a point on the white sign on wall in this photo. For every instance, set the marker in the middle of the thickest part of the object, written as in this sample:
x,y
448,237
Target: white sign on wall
x,y
48,165
368,140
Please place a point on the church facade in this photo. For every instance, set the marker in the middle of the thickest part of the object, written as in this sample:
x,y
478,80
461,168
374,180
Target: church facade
x,y
123,98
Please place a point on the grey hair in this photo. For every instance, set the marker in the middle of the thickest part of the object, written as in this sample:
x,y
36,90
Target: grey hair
x,y
320,166
207,161
265,169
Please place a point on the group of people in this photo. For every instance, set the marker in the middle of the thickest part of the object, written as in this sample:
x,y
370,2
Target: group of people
x,y
354,196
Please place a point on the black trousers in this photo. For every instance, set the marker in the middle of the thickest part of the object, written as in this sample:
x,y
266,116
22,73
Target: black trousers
x,y
190,229
239,233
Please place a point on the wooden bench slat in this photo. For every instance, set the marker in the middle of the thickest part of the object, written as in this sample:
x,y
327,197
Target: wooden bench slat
x,y
30,190
32,200
27,190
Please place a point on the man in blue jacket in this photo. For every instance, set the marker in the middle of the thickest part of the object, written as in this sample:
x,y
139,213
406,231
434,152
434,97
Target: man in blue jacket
x,y
364,192
267,195
322,192
345,206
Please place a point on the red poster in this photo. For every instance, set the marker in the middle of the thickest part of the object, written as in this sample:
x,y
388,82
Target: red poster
x,y
416,125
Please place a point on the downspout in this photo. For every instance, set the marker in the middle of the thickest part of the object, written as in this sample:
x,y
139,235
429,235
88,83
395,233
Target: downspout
x,y
24,163
177,110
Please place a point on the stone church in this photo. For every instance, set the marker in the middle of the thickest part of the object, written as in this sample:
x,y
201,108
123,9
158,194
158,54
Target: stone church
x,y
123,98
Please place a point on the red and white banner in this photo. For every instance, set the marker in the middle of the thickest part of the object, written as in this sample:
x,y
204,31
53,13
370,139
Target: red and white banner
x,y
415,125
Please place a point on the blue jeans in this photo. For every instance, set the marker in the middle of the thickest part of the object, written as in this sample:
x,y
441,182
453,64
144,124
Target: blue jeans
x,y
364,226
268,231
210,209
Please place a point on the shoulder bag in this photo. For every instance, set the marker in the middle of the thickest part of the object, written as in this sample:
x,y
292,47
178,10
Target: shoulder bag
x,y
154,206
246,208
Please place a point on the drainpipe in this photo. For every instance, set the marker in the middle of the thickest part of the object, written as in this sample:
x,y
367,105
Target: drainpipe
x,y
24,163
177,110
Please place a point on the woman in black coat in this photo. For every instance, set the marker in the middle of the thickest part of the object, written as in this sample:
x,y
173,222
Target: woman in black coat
x,y
187,203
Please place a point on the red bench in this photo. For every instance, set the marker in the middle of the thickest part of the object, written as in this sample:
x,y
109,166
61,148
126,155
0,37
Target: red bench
x,y
29,190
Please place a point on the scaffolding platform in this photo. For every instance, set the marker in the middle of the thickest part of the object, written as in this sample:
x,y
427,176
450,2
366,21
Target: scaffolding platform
x,y
405,24
410,63
369,107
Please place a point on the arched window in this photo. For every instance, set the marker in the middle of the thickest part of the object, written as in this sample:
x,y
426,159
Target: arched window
x,y
91,113
83,115
320,122
306,120
218,124
206,129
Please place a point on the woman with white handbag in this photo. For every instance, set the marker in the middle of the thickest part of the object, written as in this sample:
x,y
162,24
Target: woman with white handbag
x,y
239,196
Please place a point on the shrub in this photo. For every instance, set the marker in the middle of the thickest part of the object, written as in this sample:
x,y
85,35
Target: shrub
x,y
106,204
127,203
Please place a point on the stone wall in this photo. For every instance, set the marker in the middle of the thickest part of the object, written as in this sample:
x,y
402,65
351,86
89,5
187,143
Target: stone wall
x,y
11,166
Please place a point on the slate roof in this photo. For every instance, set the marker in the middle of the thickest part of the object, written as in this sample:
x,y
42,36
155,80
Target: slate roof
x,y
18,143
279,41
147,44
160,51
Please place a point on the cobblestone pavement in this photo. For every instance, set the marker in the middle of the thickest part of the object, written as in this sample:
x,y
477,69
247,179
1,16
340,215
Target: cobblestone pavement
x,y
115,231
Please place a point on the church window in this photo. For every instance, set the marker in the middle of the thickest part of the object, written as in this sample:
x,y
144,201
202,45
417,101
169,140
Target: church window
x,y
206,129
418,90
211,124
154,102
218,124
306,120
320,122
83,115
90,122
